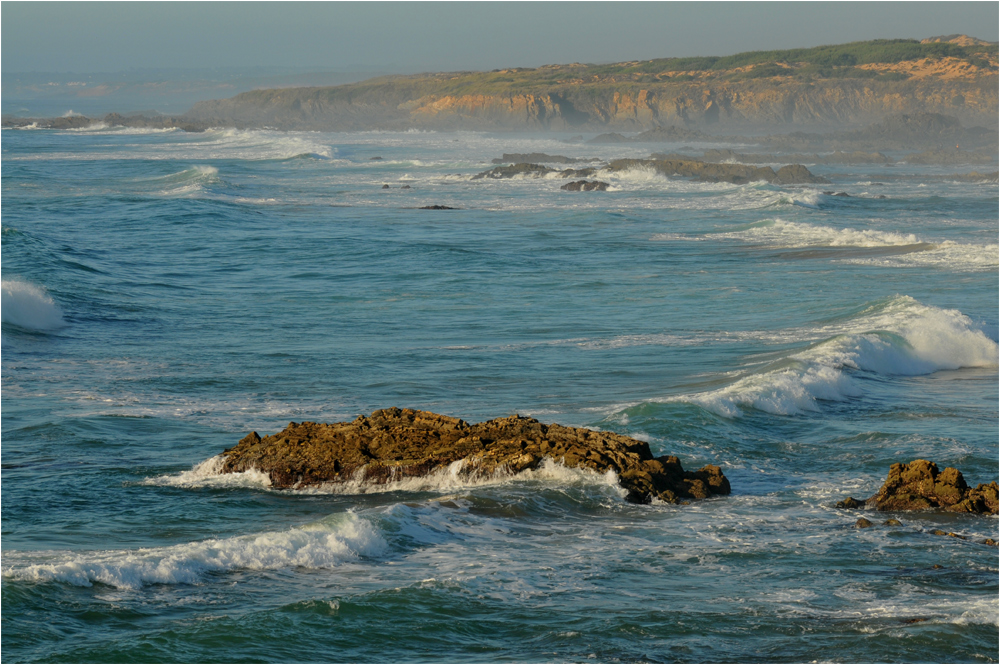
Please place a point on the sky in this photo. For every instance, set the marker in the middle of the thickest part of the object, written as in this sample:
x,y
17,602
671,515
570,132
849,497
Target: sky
x,y
412,37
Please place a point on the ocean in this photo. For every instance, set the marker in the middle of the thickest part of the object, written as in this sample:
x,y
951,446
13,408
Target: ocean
x,y
166,293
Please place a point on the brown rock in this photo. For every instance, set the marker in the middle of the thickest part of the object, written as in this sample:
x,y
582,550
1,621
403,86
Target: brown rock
x,y
850,503
892,522
920,486
862,523
393,444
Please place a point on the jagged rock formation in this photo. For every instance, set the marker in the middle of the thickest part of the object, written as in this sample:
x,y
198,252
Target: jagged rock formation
x,y
684,167
393,444
531,170
920,486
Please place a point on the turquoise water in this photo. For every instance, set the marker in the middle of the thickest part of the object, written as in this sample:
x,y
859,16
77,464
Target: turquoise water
x,y
166,293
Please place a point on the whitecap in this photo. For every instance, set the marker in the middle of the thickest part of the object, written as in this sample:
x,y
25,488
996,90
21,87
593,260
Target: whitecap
x,y
327,543
900,338
29,306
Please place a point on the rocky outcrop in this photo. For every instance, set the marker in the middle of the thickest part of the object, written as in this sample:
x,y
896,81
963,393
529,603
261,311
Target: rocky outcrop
x,y
584,186
837,157
709,172
394,444
919,485
531,171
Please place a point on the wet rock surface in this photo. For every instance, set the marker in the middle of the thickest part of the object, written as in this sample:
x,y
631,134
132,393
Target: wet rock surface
x,y
531,171
395,444
585,186
919,485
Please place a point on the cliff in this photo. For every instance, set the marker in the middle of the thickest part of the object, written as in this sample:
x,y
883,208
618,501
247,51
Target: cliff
x,y
846,85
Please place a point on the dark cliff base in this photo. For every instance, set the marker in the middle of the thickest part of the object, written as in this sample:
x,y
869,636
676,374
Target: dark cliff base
x,y
394,444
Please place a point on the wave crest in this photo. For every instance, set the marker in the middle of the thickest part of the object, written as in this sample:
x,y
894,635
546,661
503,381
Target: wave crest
x,y
323,544
900,338
29,306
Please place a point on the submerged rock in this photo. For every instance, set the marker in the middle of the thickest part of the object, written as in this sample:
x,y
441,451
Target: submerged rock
x,y
920,486
395,444
584,186
436,207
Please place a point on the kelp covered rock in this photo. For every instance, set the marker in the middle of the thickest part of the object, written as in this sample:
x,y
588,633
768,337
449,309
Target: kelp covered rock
x,y
395,444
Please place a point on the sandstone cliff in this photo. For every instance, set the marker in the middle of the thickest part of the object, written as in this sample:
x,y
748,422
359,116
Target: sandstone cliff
x,y
852,84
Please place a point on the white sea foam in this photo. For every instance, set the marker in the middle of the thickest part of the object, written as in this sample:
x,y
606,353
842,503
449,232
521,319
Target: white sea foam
x,y
958,257
456,476
29,306
914,251
780,233
324,544
902,337
208,474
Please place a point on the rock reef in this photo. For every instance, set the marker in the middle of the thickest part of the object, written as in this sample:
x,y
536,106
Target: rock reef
x,y
395,444
919,485
585,186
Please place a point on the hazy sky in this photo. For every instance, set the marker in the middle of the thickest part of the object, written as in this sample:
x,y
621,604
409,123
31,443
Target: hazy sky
x,y
409,37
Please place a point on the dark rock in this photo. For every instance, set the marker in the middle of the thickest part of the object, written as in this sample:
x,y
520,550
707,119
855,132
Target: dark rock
x,y
710,172
584,186
577,173
535,170
385,186
796,173
850,503
393,444
862,523
436,207
990,541
831,193
892,522
916,620
374,159
880,196
406,187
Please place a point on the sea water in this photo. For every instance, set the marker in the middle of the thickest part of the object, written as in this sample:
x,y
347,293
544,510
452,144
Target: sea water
x,y
166,293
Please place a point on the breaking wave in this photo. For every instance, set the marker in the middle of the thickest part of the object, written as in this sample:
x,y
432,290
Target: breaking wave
x,y
324,544
29,306
899,338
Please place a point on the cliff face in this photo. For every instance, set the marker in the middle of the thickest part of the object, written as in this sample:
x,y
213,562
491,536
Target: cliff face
x,y
721,105
852,84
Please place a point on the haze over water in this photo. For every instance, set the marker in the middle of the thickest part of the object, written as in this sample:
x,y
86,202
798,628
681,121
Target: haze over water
x,y
166,293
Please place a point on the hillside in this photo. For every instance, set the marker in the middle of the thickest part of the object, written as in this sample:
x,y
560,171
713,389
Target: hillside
x,y
843,85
